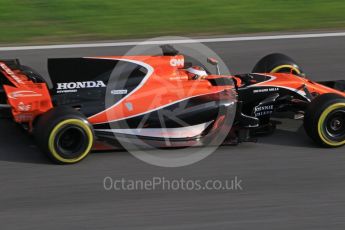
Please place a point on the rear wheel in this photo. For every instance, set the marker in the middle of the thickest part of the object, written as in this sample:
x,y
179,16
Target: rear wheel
x,y
64,134
32,74
277,63
324,120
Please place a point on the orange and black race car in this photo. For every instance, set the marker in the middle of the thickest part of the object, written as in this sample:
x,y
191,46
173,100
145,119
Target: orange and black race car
x,y
96,102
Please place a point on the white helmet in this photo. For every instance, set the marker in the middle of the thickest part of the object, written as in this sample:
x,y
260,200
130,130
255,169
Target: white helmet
x,y
196,72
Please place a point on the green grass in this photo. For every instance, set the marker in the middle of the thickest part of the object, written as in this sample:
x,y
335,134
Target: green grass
x,y
49,21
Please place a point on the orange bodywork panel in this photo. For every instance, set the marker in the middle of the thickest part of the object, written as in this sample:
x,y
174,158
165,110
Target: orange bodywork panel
x,y
26,98
296,83
166,83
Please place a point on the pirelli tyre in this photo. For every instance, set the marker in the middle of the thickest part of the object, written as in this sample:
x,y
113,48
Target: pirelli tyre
x,y
64,134
324,120
32,74
277,63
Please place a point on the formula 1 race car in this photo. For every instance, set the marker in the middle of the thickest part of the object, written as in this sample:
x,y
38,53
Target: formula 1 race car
x,y
100,100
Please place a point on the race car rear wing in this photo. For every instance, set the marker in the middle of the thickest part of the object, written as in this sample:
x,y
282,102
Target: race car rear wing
x,y
25,98
11,63
14,63
8,69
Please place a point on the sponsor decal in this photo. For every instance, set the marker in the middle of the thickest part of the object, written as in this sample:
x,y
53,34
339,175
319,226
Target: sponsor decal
x,y
263,110
129,106
23,93
71,87
119,91
176,62
24,108
11,73
265,90
24,117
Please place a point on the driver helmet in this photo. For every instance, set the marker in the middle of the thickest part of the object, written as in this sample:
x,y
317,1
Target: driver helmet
x,y
196,72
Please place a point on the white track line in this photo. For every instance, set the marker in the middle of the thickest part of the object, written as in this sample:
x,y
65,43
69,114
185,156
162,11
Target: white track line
x,y
182,41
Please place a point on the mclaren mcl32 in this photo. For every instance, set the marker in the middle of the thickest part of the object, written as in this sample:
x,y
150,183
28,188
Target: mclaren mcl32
x,y
96,102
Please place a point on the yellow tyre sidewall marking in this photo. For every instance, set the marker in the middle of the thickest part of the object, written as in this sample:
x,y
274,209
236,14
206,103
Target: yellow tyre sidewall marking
x,y
276,69
58,127
322,120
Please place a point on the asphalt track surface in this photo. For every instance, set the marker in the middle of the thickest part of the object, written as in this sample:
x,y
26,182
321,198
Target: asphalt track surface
x,y
288,182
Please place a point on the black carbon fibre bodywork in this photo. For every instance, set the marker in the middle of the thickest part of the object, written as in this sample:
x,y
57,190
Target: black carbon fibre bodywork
x,y
263,102
71,90
218,115
91,100
191,111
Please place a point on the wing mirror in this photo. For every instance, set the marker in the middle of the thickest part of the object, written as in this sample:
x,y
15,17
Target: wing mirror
x,y
214,62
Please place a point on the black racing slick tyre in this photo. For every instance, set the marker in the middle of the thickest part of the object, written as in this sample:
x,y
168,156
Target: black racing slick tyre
x,y
32,74
277,63
324,120
64,134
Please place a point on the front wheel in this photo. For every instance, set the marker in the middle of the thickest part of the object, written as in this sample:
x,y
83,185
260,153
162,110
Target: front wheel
x,y
64,135
277,63
324,120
